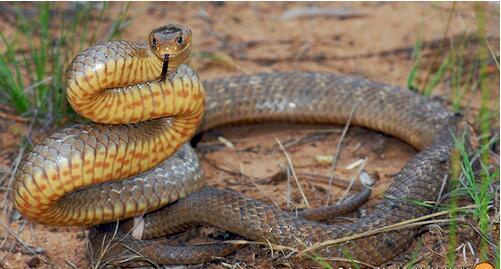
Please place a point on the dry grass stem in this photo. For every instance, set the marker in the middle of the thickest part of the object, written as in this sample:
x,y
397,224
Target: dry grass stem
x,y
19,240
293,173
352,180
70,263
12,117
338,150
6,205
442,188
415,222
397,226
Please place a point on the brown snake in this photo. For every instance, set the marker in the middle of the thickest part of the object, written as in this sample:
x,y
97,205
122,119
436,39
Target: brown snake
x,y
139,121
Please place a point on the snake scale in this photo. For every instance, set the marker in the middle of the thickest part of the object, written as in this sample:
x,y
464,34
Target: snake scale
x,y
145,104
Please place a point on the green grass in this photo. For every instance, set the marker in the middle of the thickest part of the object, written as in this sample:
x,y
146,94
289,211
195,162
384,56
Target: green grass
x,y
466,72
485,126
466,182
470,187
451,66
321,261
432,78
33,66
452,242
325,264
453,69
416,58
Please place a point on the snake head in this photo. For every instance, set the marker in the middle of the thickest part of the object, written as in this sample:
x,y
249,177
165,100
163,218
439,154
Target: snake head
x,y
172,40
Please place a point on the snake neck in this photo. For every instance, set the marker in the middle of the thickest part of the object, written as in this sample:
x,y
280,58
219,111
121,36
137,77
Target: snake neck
x,y
102,75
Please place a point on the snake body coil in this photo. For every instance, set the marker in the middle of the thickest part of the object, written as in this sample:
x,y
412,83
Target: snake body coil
x,y
102,84
116,83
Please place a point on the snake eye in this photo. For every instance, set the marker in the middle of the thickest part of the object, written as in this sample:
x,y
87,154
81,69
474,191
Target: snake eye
x,y
180,40
154,42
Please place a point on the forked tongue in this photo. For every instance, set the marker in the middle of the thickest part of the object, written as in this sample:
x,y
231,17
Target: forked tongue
x,y
165,67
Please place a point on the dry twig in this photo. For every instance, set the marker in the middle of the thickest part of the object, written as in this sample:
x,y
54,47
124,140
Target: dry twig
x,y
293,173
338,149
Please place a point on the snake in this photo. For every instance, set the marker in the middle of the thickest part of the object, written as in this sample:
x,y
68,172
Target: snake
x,y
133,158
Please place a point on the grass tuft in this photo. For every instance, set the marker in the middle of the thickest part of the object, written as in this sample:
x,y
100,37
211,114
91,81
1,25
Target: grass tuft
x,y
32,67
465,73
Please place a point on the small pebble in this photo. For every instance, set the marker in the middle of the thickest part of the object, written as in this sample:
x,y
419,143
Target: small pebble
x,y
366,179
324,159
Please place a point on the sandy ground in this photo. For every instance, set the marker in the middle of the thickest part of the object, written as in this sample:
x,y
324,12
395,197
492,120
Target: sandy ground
x,y
255,37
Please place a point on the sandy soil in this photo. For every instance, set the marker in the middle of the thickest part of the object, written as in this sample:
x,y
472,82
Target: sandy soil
x,y
253,37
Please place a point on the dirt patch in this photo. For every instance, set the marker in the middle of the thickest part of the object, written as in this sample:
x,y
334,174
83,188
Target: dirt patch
x,y
372,40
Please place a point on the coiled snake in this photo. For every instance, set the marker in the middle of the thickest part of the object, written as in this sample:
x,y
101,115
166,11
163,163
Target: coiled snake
x,y
145,103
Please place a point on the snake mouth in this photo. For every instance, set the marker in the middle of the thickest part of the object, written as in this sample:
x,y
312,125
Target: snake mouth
x,y
170,61
165,67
